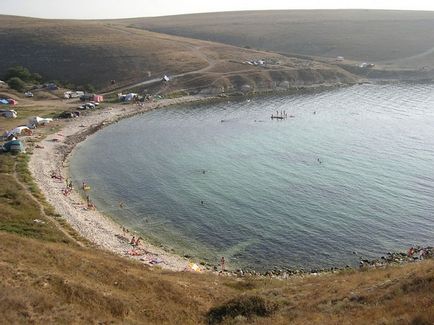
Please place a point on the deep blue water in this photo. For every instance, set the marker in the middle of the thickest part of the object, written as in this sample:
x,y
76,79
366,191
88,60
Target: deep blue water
x,y
267,199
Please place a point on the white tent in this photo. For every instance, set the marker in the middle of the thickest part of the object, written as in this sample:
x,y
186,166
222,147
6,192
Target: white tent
x,y
36,121
19,130
130,96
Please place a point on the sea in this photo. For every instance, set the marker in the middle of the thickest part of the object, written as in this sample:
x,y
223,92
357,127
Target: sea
x,y
349,174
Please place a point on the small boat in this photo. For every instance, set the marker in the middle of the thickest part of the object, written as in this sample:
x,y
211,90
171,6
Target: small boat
x,y
279,117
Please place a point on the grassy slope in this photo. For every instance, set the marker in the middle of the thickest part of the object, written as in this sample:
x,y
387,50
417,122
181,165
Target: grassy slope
x,y
83,52
362,35
46,277
96,52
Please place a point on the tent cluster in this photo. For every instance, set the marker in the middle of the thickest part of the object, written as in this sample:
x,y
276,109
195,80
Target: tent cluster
x,y
13,144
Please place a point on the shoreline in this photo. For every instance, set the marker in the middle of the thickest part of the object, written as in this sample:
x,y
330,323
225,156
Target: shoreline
x,y
105,233
55,150
52,156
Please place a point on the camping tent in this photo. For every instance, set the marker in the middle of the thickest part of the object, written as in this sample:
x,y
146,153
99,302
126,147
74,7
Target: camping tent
x,y
14,146
36,121
19,130
4,101
98,98
12,101
8,113
127,97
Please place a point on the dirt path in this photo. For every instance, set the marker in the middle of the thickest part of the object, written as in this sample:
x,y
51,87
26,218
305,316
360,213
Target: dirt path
x,y
41,210
412,57
196,49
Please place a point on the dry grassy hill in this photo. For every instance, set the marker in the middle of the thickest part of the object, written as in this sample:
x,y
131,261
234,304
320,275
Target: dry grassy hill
x,y
401,38
97,52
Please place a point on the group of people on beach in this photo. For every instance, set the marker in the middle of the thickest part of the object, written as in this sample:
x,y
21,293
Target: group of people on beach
x,y
135,241
417,253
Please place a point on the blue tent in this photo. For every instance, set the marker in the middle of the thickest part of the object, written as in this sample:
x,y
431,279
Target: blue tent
x,y
4,101
14,146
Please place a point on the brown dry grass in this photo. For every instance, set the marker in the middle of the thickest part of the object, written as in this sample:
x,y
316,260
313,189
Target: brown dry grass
x,y
56,283
366,35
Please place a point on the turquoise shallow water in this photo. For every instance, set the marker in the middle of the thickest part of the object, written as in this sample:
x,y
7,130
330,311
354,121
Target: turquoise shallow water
x,y
267,200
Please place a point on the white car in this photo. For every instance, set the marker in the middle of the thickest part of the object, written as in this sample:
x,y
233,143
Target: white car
x,y
28,94
87,106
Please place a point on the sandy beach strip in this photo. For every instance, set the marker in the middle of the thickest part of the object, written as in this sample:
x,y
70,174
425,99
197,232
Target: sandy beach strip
x,y
52,157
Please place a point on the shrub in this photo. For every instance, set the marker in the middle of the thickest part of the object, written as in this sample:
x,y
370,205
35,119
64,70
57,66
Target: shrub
x,y
17,84
23,74
18,72
36,77
89,88
246,306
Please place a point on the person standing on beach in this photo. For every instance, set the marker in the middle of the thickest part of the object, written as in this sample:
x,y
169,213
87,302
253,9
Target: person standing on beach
x,y
222,264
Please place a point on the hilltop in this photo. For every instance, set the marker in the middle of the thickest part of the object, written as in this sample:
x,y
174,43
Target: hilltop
x,y
390,39
97,52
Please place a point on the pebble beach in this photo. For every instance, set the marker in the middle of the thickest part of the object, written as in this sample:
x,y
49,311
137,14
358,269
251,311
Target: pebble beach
x,y
51,157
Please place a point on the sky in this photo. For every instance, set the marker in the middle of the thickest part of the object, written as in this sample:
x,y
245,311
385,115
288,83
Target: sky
x,y
100,9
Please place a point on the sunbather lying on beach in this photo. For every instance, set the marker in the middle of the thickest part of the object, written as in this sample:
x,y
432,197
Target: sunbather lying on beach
x,y
56,175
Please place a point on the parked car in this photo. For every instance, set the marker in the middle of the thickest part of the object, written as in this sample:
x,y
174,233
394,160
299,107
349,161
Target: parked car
x,y
67,114
86,97
87,106
28,94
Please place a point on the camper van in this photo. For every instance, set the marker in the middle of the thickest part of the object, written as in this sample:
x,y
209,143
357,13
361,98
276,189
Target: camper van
x,y
73,94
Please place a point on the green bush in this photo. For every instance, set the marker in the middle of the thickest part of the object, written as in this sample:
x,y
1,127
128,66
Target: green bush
x,y
36,77
246,306
18,72
23,74
17,84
